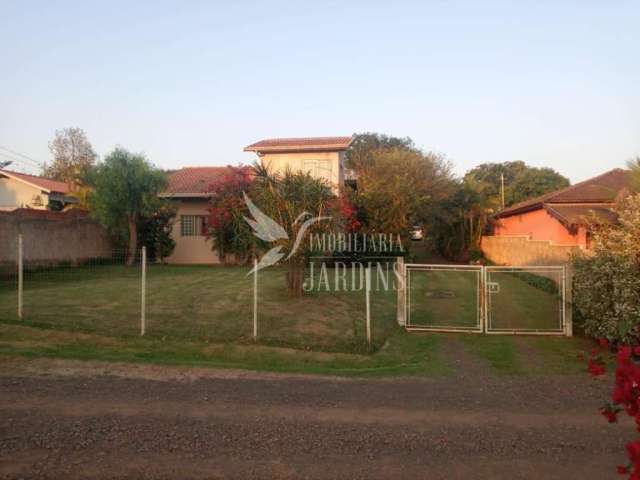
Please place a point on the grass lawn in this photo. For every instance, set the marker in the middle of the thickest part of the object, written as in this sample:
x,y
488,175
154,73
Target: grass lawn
x,y
404,354
450,299
203,316
520,305
443,299
203,303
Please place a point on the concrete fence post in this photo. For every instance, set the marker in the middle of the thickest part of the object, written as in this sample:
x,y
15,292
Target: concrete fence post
x,y
20,275
401,282
568,300
143,298
368,300
255,299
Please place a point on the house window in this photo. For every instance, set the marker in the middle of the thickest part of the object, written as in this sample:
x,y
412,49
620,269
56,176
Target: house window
x,y
319,169
193,225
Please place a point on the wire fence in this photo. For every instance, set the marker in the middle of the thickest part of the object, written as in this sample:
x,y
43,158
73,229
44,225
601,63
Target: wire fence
x,y
122,296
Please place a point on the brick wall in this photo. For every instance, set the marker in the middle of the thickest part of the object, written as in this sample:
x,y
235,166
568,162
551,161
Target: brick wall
x,y
52,236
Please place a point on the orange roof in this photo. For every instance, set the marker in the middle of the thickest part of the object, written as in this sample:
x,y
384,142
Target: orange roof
x,y
39,182
193,181
303,144
603,189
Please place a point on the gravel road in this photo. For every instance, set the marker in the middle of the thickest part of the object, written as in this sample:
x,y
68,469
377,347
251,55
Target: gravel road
x,y
65,419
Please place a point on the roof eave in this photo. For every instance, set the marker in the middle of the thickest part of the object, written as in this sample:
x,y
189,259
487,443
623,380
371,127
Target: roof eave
x,y
519,211
184,195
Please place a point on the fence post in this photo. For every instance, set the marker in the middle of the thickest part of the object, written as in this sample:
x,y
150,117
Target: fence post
x,y
255,299
402,292
367,283
20,275
568,300
143,299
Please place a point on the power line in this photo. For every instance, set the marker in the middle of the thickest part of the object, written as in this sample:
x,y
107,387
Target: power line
x,y
26,157
18,164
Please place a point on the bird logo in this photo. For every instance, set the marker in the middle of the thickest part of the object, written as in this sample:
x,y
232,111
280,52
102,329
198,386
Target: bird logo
x,y
265,228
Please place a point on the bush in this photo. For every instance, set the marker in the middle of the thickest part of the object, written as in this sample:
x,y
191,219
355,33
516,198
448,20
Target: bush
x,y
606,288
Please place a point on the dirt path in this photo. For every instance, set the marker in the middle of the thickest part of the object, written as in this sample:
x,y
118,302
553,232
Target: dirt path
x,y
62,419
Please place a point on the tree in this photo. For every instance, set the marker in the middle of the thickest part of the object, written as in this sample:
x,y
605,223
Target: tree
x,y
359,154
398,187
73,156
521,181
154,231
295,201
634,166
126,189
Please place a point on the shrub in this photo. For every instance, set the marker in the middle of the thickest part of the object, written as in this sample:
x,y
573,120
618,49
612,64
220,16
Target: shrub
x,y
607,283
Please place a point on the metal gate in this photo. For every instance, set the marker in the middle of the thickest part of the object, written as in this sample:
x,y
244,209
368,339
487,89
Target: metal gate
x,y
493,300
444,298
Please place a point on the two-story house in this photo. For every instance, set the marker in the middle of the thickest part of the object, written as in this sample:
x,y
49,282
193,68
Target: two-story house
x,y
322,157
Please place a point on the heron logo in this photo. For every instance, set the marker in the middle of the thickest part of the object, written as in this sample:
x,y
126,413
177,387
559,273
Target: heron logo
x,y
265,228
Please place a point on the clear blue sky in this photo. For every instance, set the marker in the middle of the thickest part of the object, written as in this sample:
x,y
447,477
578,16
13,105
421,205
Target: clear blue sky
x,y
191,83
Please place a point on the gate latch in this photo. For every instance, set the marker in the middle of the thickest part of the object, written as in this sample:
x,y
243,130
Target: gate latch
x,y
494,287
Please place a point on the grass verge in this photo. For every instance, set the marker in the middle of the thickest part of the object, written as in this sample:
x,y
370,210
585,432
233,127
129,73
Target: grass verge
x,y
403,354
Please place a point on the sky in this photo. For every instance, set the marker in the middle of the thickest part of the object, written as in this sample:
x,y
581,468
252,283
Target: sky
x,y
189,83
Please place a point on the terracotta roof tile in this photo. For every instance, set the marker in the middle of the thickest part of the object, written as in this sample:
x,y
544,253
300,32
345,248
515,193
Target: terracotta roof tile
x,y
44,183
193,181
604,188
572,215
303,144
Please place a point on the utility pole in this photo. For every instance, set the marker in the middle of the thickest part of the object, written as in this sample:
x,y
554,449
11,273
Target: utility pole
x,y
502,188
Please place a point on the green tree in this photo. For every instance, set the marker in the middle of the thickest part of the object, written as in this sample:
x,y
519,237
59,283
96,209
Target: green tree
x,y
126,190
360,153
521,181
398,187
154,231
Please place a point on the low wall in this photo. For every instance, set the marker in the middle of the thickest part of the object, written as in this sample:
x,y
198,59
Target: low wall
x,y
52,237
521,251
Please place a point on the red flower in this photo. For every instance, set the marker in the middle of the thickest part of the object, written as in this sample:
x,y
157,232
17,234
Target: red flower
x,y
633,449
604,343
609,413
624,354
596,368
622,470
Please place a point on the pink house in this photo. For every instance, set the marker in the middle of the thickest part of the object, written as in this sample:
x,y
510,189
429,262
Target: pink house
x,y
562,217
547,228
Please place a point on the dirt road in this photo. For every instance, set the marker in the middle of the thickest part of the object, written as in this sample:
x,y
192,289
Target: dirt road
x,y
62,419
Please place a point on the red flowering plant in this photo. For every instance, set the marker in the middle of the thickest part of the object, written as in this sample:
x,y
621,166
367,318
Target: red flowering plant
x,y
225,226
346,212
625,396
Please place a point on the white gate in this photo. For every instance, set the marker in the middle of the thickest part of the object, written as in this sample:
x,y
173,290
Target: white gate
x,y
444,298
494,300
